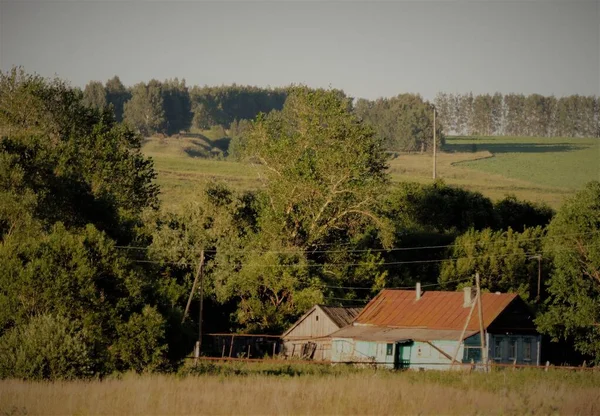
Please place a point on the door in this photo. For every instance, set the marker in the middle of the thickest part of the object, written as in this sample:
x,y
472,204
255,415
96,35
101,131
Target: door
x,y
402,357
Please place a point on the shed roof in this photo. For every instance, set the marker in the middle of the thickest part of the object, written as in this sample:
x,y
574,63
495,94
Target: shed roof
x,y
386,334
340,316
434,310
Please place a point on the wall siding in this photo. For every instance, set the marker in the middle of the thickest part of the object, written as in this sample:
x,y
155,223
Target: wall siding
x,y
315,325
349,350
424,356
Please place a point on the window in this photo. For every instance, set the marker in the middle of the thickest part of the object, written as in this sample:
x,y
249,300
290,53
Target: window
x,y
316,317
390,349
512,349
498,344
472,353
527,349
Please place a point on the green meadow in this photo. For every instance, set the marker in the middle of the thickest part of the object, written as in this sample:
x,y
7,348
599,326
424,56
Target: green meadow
x,y
538,169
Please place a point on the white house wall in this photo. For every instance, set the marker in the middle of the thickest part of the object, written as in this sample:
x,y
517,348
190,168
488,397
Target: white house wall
x,y
347,350
424,356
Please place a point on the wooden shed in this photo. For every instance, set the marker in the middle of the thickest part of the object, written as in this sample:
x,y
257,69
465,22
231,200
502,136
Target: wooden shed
x,y
308,337
409,329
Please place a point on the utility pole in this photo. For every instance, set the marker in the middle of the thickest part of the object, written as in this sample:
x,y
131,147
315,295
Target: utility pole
x,y
199,276
481,333
201,301
539,285
189,302
434,148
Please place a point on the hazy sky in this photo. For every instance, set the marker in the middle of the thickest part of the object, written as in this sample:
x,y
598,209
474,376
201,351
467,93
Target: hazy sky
x,y
368,48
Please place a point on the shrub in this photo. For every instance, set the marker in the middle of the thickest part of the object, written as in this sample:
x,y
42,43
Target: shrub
x,y
46,348
140,345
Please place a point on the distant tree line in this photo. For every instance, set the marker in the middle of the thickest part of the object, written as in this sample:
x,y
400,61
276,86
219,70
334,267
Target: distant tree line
x,y
405,121
519,115
169,107
221,106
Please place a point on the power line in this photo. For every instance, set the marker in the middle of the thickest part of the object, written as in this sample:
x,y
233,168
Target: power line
x,y
394,263
370,250
400,287
349,300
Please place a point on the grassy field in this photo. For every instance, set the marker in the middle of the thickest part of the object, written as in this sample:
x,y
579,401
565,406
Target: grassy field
x,y
358,392
555,162
536,169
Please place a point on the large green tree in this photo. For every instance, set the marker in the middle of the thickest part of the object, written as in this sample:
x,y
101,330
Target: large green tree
x,y
316,196
73,185
94,95
145,111
404,121
177,105
502,258
573,310
117,95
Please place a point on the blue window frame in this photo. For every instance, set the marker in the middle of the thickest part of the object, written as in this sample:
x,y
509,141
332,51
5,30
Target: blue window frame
x,y
390,349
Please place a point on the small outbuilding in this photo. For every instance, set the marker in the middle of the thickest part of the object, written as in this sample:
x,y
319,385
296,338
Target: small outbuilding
x,y
415,330
308,337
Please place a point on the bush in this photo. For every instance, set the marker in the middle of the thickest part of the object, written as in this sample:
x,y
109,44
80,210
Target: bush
x,y
47,348
140,345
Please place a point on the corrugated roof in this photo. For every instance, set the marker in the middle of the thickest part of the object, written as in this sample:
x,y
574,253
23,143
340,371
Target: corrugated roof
x,y
435,310
386,334
341,316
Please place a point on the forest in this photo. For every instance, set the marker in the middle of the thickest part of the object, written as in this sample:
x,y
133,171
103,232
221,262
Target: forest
x,y
532,115
405,121
96,274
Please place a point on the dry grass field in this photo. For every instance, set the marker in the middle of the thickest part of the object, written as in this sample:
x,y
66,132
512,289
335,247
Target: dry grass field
x,y
535,169
365,392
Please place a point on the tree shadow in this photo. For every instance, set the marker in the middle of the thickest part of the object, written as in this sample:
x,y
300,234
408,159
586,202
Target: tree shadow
x,y
222,143
511,147
208,148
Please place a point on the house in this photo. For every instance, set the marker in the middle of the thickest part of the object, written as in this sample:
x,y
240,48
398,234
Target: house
x,y
308,337
416,330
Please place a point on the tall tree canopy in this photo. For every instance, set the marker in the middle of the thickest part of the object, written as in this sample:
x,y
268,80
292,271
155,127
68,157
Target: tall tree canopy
x,y
273,252
573,310
502,258
94,95
145,111
177,105
404,121
73,184
519,115
214,106
117,95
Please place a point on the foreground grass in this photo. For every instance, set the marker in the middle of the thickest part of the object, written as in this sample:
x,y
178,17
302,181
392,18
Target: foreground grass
x,y
348,392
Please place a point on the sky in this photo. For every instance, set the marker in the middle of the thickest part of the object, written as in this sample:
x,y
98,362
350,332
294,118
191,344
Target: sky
x,y
369,49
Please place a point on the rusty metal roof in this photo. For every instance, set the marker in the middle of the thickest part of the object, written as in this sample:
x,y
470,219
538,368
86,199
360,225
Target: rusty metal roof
x,y
387,334
341,316
434,310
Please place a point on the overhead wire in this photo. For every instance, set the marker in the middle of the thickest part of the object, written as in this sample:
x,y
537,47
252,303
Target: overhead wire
x,y
370,250
393,263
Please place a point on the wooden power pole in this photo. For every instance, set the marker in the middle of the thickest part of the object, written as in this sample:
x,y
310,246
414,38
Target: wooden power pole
x,y
199,276
481,332
539,282
434,148
201,301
